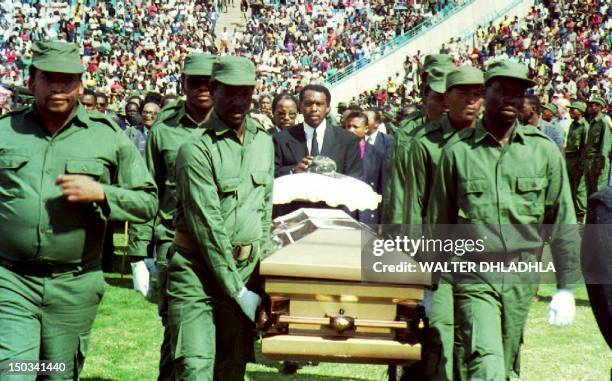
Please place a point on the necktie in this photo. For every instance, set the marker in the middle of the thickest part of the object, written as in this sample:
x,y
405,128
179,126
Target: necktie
x,y
314,145
362,147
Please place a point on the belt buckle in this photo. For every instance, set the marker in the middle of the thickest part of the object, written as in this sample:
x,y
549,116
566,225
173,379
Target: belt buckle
x,y
237,251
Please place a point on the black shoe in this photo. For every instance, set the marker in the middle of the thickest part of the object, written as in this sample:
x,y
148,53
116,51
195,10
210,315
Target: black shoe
x,y
290,367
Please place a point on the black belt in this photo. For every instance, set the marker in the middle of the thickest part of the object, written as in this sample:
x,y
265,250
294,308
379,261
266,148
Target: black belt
x,y
46,269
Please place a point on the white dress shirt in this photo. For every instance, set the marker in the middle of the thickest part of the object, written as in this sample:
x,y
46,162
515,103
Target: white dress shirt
x,y
320,134
371,139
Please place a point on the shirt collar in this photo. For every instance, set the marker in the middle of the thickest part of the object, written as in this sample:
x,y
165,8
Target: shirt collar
x,y
218,126
518,133
372,137
320,129
446,128
80,115
187,120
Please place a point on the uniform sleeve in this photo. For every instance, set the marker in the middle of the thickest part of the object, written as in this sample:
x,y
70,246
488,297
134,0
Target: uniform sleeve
x,y
133,197
279,168
198,194
392,213
388,154
141,235
442,207
606,155
267,219
560,215
416,185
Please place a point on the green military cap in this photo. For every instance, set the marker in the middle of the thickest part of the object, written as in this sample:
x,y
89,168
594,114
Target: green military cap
x,y
579,106
57,57
199,64
551,107
465,75
390,114
509,69
437,80
341,104
234,71
597,99
443,62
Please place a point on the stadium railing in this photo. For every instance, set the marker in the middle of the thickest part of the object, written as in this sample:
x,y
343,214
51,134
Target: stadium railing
x,y
396,43
400,41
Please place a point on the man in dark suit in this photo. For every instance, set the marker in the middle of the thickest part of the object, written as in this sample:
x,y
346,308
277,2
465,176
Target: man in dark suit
x,y
373,158
295,147
376,161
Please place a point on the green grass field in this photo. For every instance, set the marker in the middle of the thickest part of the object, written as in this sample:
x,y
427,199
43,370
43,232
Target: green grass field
x,y
127,333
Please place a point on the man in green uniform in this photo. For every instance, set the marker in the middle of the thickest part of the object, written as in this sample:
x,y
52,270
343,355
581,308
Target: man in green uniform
x,y
180,124
463,96
550,112
59,186
576,141
504,173
598,149
435,68
224,192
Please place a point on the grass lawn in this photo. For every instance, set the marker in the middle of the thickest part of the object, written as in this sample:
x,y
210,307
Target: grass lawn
x,y
127,333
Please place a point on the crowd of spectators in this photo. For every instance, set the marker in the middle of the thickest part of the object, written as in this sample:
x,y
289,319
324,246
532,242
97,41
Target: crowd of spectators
x,y
566,45
133,46
305,43
137,46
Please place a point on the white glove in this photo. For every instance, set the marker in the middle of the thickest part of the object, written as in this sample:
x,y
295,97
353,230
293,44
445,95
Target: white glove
x,y
562,308
248,302
427,302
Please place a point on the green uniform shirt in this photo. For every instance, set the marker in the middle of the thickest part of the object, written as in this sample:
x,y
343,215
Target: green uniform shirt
x,y
576,136
597,153
224,192
165,139
576,141
480,182
36,222
394,195
422,162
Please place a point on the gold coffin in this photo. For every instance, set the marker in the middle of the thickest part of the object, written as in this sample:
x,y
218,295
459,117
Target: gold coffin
x,y
319,309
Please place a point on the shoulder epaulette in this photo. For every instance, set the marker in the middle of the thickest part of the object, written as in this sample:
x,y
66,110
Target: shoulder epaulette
x,y
531,130
169,111
104,119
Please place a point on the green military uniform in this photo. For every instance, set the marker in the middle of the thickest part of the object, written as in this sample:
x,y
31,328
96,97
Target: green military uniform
x,y
555,121
574,148
224,209
394,196
173,129
598,151
423,156
472,186
50,278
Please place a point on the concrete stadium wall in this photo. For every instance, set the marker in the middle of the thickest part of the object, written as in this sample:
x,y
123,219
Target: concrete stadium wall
x,y
462,24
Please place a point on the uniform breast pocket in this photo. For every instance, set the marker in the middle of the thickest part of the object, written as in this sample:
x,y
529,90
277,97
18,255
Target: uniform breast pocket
x,y
10,168
473,199
260,179
228,187
91,168
530,194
